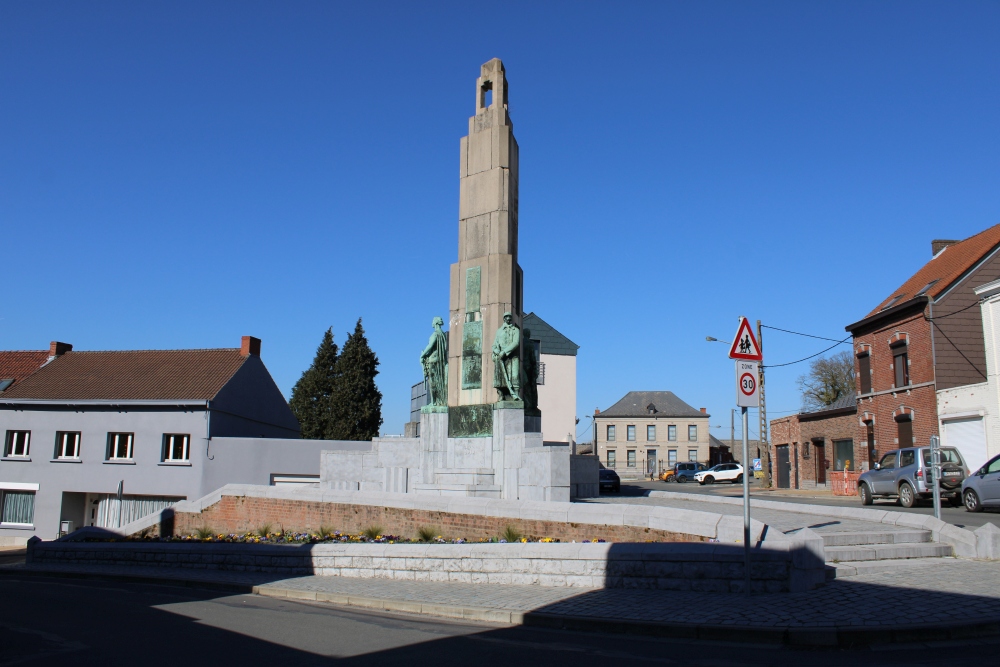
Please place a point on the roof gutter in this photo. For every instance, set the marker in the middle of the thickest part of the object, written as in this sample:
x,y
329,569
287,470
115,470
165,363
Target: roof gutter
x,y
888,313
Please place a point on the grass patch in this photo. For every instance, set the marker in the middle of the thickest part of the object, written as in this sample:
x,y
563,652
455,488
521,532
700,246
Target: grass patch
x,y
204,532
511,534
372,532
326,530
426,533
264,530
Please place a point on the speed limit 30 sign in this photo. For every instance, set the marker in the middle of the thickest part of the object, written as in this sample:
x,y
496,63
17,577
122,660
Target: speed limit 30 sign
x,y
747,391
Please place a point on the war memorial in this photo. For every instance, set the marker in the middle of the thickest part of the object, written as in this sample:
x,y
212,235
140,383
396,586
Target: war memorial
x,y
481,433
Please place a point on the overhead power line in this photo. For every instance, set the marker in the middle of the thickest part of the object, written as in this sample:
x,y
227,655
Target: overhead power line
x,y
799,333
799,361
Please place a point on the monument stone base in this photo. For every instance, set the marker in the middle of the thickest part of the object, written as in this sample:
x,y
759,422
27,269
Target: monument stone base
x,y
510,461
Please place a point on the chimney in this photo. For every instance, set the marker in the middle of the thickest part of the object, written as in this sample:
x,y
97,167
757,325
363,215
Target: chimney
x,y
597,411
57,349
703,410
937,245
250,346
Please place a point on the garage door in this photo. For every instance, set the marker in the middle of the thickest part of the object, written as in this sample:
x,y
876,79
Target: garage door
x,y
968,436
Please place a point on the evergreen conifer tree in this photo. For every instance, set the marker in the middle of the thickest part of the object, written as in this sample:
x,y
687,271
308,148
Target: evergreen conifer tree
x,y
311,395
356,403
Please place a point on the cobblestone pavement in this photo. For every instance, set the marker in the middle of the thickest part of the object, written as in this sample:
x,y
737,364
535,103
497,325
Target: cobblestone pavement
x,y
931,591
780,519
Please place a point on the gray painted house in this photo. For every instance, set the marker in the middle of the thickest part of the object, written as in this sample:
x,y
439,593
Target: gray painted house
x,y
165,424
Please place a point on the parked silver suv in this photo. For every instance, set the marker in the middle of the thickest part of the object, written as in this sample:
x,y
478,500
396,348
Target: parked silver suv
x,y
906,474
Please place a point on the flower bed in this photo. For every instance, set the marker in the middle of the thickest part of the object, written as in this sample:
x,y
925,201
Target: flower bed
x,y
322,538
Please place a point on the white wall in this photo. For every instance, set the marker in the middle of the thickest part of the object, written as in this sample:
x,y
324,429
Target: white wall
x,y
959,407
557,398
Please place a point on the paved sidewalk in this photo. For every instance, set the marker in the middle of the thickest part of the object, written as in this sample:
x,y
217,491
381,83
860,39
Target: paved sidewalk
x,y
785,521
948,598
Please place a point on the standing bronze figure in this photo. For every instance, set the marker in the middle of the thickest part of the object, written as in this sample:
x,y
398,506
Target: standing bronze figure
x,y
434,360
506,361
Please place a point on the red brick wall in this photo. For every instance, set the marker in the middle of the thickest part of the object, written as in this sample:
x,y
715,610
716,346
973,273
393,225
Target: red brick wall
x,y
840,427
920,402
237,514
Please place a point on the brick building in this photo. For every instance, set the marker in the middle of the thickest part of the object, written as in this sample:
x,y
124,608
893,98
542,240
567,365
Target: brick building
x,y
926,336
809,445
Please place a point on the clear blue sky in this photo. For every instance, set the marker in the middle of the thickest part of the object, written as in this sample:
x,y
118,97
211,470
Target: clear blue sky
x,y
178,174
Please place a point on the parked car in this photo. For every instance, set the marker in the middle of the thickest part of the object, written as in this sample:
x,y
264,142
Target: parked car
x,y
667,475
906,474
724,472
982,488
685,472
609,479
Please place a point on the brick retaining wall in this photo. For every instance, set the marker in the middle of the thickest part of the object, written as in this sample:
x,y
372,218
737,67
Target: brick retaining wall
x,y
240,514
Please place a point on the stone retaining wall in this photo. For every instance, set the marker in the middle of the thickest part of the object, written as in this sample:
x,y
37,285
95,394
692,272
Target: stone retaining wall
x,y
714,568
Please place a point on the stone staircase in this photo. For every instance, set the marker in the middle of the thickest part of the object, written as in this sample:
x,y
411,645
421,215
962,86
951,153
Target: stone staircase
x,y
854,553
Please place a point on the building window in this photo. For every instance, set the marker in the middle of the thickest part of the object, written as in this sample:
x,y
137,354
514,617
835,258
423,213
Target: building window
x,y
176,447
6,382
843,455
630,433
900,366
672,433
651,433
17,507
611,432
865,372
119,446
904,428
67,445
672,457
611,458
631,458
692,455
17,443
693,433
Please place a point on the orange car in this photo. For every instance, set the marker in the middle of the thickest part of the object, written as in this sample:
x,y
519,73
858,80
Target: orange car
x,y
667,475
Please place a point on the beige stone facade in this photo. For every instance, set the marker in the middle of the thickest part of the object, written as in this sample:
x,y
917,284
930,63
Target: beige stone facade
x,y
486,281
647,432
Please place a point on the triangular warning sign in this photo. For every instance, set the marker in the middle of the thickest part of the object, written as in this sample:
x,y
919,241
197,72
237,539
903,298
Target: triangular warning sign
x,y
745,346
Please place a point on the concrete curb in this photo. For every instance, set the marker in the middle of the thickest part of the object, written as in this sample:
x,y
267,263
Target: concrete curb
x,y
483,614
846,636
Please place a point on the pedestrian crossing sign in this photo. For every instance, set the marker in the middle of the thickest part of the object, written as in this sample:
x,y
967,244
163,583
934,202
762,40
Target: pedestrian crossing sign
x,y
745,346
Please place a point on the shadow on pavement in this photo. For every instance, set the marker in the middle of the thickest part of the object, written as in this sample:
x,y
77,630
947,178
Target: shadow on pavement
x,y
91,623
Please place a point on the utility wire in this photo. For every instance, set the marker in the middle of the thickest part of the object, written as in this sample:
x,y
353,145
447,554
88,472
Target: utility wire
x,y
799,333
941,317
839,342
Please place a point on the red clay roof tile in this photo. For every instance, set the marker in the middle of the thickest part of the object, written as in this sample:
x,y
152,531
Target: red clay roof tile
x,y
131,375
17,365
945,268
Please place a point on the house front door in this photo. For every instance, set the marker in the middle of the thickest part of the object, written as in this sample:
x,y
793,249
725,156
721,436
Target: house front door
x,y
820,462
783,467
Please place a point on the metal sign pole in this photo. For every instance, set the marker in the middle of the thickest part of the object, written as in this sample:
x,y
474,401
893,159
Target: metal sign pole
x,y
121,489
746,503
936,472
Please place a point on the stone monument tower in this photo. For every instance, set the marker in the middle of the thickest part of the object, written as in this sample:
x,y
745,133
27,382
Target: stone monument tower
x,y
486,282
483,442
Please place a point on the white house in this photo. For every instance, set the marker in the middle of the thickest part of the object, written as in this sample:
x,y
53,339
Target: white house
x,y
968,415
556,379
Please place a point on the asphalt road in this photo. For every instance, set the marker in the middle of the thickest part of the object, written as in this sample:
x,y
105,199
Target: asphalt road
x,y
86,622
957,516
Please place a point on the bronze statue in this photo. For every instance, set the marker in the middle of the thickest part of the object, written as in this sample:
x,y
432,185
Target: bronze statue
x,y
434,360
506,362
